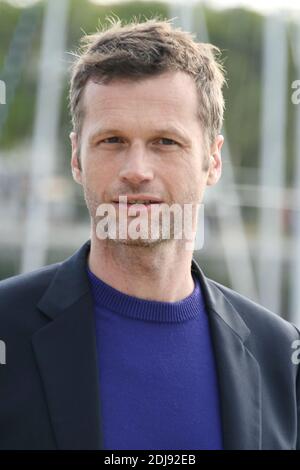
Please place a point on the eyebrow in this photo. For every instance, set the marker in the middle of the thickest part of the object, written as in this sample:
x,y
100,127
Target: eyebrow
x,y
169,130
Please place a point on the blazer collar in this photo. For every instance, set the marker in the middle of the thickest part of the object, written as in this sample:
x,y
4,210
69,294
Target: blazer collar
x,y
217,303
238,371
66,354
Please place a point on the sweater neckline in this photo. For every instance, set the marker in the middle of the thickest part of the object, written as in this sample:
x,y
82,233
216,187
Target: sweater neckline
x,y
125,305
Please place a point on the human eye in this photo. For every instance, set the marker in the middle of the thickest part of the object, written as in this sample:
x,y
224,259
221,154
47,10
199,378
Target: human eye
x,y
167,141
111,140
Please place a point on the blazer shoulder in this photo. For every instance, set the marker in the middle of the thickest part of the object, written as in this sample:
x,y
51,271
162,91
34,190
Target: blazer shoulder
x,y
25,288
255,315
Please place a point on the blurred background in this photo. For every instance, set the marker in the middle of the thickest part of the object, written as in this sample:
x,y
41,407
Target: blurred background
x,y
252,217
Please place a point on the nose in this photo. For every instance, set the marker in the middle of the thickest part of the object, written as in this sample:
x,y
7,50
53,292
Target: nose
x,y
136,167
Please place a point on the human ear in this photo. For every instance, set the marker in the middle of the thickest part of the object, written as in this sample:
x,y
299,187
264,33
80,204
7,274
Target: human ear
x,y
215,161
75,159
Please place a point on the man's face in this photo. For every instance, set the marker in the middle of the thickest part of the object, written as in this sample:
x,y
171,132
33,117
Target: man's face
x,y
143,139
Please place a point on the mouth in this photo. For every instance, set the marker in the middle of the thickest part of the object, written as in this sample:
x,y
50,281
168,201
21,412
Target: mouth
x,y
139,203
137,200
136,203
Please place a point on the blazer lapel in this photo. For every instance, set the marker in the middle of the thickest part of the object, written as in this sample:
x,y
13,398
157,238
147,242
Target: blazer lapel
x,y
238,371
65,351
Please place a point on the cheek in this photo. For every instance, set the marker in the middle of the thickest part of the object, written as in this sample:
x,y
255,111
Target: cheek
x,y
97,173
191,172
195,183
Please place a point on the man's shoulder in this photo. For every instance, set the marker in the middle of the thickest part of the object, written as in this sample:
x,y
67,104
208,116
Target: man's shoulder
x,y
19,298
257,317
27,287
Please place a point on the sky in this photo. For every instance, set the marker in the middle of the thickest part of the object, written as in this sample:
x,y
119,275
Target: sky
x,y
265,6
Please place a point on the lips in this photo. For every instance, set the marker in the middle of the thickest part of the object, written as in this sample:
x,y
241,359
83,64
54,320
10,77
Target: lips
x,y
137,199
137,203
141,203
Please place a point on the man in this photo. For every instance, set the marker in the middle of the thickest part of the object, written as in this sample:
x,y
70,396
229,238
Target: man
x,y
127,345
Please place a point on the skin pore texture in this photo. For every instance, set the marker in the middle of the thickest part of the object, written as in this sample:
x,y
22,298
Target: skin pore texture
x,y
143,138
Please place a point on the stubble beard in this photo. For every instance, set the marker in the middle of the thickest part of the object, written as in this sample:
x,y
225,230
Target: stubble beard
x,y
163,233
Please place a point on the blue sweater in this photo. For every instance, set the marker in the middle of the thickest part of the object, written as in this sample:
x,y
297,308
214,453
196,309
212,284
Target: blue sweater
x,y
157,377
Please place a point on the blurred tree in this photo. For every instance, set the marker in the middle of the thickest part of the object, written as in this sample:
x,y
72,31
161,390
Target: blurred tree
x,y
237,32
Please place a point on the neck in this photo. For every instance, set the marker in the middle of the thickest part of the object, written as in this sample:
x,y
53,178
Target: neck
x,y
161,272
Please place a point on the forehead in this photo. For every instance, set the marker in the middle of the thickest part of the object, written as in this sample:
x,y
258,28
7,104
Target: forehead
x,y
171,95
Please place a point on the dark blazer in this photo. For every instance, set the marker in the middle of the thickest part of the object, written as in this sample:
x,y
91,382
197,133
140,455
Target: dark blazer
x,y
49,394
